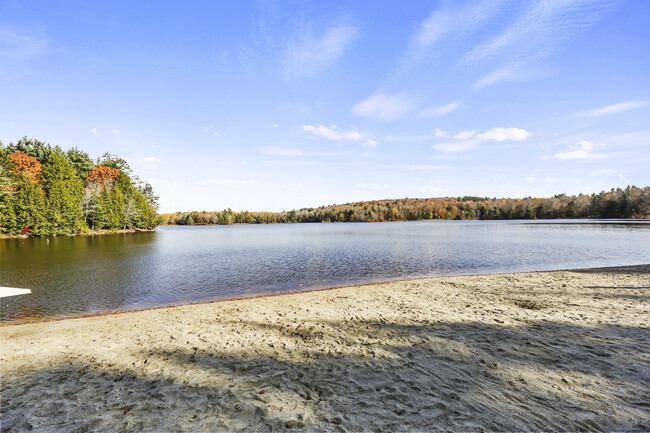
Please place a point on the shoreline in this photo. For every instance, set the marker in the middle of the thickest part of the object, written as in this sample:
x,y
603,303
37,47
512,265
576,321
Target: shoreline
x,y
90,233
585,220
218,301
549,350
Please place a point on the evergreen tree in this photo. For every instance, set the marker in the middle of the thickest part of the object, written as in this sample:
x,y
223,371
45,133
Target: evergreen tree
x,y
34,148
81,162
29,207
7,214
63,190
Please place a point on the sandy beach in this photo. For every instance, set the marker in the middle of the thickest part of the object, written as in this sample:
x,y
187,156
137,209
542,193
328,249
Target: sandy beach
x,y
566,350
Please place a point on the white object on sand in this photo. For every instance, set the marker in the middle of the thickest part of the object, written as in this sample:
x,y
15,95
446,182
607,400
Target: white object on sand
x,y
11,291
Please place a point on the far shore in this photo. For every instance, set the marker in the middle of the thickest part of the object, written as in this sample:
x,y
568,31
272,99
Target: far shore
x,y
560,350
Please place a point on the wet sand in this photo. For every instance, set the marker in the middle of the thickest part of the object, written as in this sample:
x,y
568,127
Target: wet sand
x,y
567,350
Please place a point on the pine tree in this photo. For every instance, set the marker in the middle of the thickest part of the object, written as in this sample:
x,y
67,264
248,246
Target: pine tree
x,y
63,190
7,214
29,206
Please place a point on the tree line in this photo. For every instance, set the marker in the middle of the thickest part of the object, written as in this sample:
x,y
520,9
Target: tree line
x,y
631,202
46,191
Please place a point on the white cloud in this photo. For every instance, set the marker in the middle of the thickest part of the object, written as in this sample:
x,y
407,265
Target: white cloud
x,y
370,143
619,108
550,179
229,182
275,125
309,56
332,133
468,140
386,107
439,133
530,179
216,134
94,132
440,111
464,135
283,152
115,131
581,150
504,134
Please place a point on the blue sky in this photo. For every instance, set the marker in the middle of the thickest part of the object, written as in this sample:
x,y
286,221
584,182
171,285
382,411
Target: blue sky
x,y
280,105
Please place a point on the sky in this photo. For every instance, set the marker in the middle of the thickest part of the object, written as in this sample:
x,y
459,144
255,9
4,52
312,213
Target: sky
x,y
282,105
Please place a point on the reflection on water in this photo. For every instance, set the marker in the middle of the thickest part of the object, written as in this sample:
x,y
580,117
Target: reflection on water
x,y
74,276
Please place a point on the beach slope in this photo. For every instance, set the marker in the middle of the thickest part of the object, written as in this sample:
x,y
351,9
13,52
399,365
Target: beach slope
x,y
565,350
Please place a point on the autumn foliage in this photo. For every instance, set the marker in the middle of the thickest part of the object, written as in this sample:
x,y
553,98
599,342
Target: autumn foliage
x,y
26,165
42,192
102,176
631,202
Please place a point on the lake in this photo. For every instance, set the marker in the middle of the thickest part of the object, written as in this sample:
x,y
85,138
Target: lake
x,y
80,275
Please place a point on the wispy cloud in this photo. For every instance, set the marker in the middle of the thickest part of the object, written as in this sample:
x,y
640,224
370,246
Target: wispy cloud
x,y
448,21
440,111
115,131
516,71
386,107
581,150
94,132
332,133
540,29
619,108
20,45
308,55
610,109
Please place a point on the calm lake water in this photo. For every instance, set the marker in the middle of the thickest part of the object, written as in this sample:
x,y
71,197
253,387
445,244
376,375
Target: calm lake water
x,y
74,276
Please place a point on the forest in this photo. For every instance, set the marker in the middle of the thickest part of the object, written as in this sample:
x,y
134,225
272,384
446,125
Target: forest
x,y
631,202
45,191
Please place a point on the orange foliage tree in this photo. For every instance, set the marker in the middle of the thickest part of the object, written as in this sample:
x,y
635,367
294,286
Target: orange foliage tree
x,y
26,165
102,176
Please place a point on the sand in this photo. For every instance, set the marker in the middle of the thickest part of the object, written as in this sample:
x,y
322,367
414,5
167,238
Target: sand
x,y
566,350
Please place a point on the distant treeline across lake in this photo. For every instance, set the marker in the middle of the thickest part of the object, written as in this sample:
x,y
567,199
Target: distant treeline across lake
x,y
631,202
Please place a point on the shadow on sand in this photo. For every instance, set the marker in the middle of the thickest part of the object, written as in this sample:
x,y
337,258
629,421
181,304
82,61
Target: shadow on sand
x,y
372,377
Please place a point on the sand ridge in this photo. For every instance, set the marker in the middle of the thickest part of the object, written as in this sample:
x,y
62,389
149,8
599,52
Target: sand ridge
x,y
565,350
